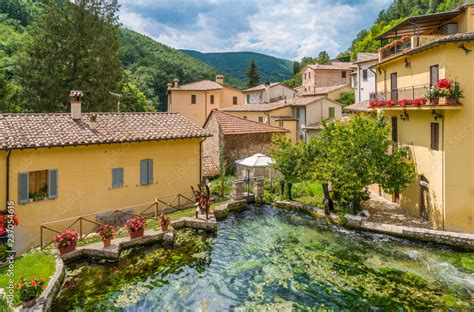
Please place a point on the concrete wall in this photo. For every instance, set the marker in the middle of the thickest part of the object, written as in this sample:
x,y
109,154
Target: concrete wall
x,y
320,111
276,91
451,170
85,180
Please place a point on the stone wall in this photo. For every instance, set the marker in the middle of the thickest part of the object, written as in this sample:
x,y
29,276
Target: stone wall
x,y
211,148
328,78
240,146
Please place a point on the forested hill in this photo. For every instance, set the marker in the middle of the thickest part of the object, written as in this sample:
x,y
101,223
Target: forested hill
x,y
236,64
141,66
398,11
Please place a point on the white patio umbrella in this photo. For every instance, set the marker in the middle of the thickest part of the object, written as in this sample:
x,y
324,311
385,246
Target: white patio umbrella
x,y
257,160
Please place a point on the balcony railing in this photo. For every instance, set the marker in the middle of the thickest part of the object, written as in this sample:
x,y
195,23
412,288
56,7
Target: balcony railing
x,y
407,93
405,43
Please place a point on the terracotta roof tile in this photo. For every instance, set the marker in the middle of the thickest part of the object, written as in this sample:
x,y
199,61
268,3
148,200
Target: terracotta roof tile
x,y
333,65
324,90
267,107
235,125
48,130
262,87
201,85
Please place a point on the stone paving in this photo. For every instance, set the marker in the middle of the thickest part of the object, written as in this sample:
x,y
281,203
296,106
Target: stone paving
x,y
382,210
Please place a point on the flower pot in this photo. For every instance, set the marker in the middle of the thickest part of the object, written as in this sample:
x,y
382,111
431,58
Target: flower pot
x,y
29,303
164,227
447,101
106,242
434,101
69,248
137,234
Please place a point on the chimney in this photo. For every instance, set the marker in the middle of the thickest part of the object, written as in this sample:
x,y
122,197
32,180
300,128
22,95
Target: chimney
x,y
169,86
93,123
75,98
267,96
220,79
176,82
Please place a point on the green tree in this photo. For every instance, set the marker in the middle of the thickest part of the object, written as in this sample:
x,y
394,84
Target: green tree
x,y
346,98
133,100
323,58
287,156
73,45
296,68
253,75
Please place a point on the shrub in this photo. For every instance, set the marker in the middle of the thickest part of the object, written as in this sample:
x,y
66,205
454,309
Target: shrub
x,y
135,224
29,288
4,250
4,221
66,238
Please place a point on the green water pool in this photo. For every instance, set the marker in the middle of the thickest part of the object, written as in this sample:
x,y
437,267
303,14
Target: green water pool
x,y
267,259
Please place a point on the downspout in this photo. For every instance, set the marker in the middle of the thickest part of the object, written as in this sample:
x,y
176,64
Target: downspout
x,y
7,197
443,173
205,105
200,160
359,89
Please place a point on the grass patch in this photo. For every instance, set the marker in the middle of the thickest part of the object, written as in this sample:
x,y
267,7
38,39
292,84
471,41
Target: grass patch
x,y
31,264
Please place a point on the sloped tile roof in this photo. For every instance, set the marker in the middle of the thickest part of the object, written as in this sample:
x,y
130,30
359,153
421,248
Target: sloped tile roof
x,y
333,65
366,57
325,90
358,107
19,131
262,87
235,125
201,85
267,107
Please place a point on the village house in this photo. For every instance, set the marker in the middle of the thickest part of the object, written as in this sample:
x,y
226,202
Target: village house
x,y
62,166
315,76
268,92
234,138
196,100
363,81
293,114
420,52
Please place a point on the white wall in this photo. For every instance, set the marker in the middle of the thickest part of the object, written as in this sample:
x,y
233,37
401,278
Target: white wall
x,y
276,91
365,87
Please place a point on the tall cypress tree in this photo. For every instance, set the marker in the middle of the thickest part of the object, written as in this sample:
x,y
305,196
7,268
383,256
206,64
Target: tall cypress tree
x,y
74,46
253,75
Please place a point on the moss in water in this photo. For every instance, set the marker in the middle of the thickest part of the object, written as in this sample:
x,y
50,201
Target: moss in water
x,y
109,287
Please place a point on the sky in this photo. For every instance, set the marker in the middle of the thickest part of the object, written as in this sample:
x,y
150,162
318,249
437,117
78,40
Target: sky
x,y
282,28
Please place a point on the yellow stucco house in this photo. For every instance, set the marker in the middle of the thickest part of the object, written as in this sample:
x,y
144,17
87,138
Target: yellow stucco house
x,y
62,166
418,53
196,100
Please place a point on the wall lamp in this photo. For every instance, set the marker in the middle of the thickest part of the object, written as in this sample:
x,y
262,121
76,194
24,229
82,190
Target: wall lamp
x,y
436,115
404,116
407,63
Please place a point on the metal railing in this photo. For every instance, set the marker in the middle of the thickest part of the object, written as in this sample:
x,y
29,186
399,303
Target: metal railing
x,y
406,93
119,217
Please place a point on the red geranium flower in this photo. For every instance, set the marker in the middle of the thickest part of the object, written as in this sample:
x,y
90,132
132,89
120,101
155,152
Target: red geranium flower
x,y
444,84
380,103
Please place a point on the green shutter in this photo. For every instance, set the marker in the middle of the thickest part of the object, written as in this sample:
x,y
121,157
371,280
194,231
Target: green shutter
x,y
144,171
150,171
23,188
53,183
117,177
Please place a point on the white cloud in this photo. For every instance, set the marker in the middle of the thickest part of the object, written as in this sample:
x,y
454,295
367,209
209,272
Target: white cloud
x,y
289,29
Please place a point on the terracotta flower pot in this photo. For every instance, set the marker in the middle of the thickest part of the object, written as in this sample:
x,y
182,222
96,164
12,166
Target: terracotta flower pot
x,y
64,250
106,242
434,101
137,234
165,227
29,303
447,101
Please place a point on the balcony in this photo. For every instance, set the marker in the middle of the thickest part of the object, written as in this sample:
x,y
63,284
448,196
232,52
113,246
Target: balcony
x,y
404,44
413,98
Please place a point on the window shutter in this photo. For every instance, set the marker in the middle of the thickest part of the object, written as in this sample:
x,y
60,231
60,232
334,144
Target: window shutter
x,y
52,183
394,129
23,188
435,136
150,171
120,176
117,177
144,171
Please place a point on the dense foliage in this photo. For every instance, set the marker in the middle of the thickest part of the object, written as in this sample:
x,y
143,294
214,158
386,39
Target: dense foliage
x,y
346,98
271,69
350,156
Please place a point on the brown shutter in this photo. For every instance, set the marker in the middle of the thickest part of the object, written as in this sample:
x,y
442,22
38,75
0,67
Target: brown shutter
x,y
435,136
394,129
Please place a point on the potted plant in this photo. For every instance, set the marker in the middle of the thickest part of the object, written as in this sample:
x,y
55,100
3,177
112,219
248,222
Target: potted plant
x,y
404,102
417,102
456,93
136,226
390,103
106,233
373,104
165,222
66,241
433,95
4,221
29,289
380,103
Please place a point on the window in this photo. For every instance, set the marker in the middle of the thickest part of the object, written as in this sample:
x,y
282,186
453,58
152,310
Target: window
x,y
434,75
260,119
394,86
304,75
297,113
193,99
212,99
117,177
146,171
37,185
280,124
435,136
365,75
343,74
394,129
234,100
332,112
248,98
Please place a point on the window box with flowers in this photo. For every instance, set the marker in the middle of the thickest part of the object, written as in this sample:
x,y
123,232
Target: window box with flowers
x,y
66,241
29,289
106,233
445,92
390,103
136,226
404,102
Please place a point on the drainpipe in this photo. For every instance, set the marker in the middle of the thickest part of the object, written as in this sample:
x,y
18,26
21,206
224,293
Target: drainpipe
x,y
443,172
375,74
200,161
359,89
205,105
7,197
